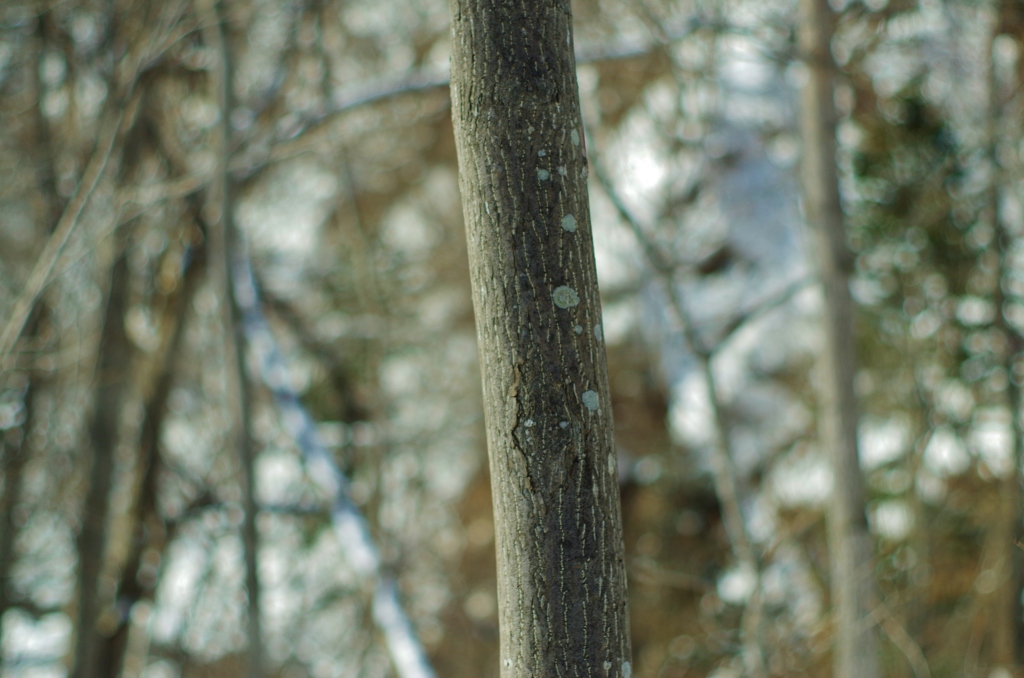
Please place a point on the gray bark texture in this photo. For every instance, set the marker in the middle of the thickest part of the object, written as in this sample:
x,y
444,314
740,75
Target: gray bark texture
x,y
851,545
523,175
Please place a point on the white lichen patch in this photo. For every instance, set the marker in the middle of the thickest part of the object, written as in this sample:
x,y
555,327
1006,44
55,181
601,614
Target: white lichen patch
x,y
611,464
543,174
569,223
597,333
627,670
563,424
528,423
542,153
590,400
578,329
607,665
565,297
562,171
575,136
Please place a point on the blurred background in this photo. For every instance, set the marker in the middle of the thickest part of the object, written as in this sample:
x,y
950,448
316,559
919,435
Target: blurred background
x,y
146,479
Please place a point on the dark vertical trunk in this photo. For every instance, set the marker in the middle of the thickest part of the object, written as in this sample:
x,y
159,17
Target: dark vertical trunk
x,y
139,577
850,543
112,377
523,169
15,444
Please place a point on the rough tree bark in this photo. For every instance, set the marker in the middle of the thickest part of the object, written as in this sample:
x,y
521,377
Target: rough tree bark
x,y
850,542
523,170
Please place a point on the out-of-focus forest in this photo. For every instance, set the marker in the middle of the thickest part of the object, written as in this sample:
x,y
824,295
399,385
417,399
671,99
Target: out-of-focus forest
x,y
291,479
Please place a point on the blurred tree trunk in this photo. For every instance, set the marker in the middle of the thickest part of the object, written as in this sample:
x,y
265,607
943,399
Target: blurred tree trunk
x,y
850,543
149,533
523,168
1006,615
112,378
224,241
14,451
15,445
1009,531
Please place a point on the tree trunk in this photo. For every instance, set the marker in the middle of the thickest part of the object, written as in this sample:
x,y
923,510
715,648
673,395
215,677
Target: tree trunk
x,y
112,377
224,239
14,448
1006,603
15,445
523,169
1009,530
149,533
850,542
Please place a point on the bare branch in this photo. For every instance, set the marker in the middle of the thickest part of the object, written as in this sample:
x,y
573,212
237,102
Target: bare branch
x,y
883,616
116,123
223,239
723,469
407,654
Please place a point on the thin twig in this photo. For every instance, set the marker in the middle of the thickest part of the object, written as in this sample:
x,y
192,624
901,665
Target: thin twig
x,y
426,80
120,115
407,654
723,470
649,572
883,617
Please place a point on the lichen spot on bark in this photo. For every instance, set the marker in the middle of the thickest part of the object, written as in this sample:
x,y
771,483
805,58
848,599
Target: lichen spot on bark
x,y
541,153
607,665
562,171
563,424
543,174
627,670
575,136
578,329
569,223
611,472
565,297
590,400
597,332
